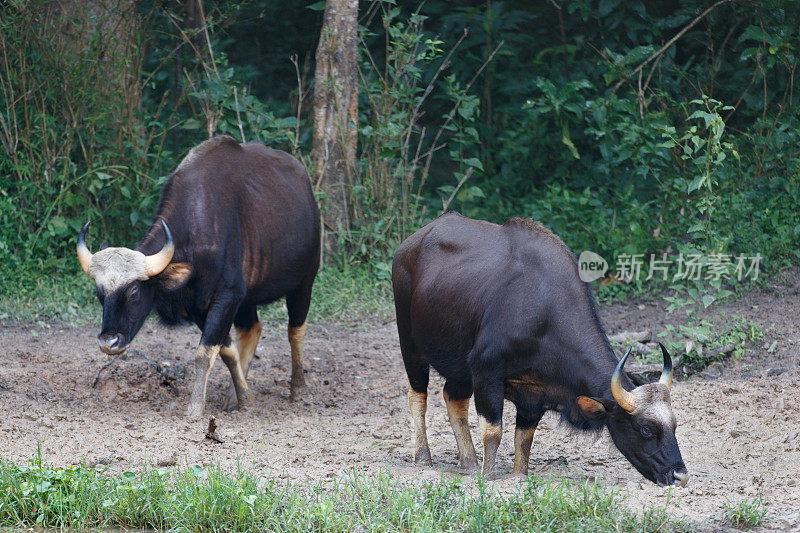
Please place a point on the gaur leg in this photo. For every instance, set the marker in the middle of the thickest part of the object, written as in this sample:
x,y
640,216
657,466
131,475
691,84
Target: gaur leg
x,y
232,358
204,359
489,405
215,328
456,398
523,438
246,334
418,404
297,304
296,336
418,372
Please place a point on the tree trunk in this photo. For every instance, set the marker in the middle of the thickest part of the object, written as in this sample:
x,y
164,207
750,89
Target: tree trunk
x,y
107,33
195,21
336,116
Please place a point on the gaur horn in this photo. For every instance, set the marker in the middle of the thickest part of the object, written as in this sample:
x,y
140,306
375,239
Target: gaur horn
x,y
625,399
84,255
666,374
156,263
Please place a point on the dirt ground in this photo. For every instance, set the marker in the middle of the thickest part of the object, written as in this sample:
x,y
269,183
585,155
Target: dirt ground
x,y
739,433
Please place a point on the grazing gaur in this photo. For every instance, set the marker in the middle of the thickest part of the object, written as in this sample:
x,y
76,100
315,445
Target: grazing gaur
x,y
500,312
236,226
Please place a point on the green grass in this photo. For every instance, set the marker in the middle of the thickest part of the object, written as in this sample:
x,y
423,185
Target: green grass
x,y
41,299
344,296
208,499
747,513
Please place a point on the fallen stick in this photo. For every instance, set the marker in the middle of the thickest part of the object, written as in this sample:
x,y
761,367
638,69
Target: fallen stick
x,y
643,349
106,365
211,433
631,336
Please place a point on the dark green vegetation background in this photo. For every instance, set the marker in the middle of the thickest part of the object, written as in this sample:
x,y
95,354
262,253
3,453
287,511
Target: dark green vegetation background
x,y
696,151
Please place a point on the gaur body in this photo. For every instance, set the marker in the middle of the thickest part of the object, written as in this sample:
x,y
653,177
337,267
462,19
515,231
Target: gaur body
x,y
237,226
500,313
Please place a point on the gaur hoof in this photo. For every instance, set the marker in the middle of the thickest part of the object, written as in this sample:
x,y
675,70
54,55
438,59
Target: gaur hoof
x,y
245,401
195,413
296,387
231,402
467,465
423,457
493,475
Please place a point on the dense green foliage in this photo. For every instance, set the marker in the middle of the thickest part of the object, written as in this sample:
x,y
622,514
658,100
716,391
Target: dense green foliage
x,y
582,114
208,499
660,164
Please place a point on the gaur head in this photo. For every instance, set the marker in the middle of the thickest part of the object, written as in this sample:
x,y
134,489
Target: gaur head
x,y
126,282
642,425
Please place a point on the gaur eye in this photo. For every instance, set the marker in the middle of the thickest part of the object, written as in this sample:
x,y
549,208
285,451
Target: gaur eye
x,y
133,293
646,432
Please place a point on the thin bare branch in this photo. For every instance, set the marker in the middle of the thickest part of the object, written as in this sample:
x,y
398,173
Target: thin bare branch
x,y
446,204
672,41
296,142
238,117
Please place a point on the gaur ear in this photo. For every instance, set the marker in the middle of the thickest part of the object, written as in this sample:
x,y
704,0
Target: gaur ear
x,y
592,408
174,276
103,246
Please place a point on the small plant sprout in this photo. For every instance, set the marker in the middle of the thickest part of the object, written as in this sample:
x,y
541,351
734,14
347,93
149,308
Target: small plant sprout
x,y
747,513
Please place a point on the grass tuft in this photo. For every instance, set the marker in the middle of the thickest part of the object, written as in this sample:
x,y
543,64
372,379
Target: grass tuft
x,y
208,499
747,513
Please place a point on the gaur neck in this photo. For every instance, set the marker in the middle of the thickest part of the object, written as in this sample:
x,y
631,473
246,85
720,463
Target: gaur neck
x,y
598,364
596,351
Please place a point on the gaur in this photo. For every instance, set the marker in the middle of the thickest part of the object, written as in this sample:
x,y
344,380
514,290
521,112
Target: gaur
x,y
501,313
237,226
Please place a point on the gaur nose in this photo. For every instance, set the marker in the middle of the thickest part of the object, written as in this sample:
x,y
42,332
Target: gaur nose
x,y
111,343
680,476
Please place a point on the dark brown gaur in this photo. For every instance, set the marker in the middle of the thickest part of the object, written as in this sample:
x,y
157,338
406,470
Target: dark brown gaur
x,y
501,313
237,226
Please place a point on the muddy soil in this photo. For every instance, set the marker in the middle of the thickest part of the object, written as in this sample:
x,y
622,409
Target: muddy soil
x,y
739,432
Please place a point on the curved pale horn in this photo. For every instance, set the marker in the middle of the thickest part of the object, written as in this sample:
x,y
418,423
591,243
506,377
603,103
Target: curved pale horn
x,y
84,255
625,399
156,263
666,374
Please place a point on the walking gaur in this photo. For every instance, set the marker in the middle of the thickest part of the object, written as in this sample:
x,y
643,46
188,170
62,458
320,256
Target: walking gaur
x,y
237,226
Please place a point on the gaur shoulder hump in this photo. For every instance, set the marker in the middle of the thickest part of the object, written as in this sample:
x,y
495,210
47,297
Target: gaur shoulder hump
x,y
537,228
214,142
534,226
444,217
447,215
207,147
